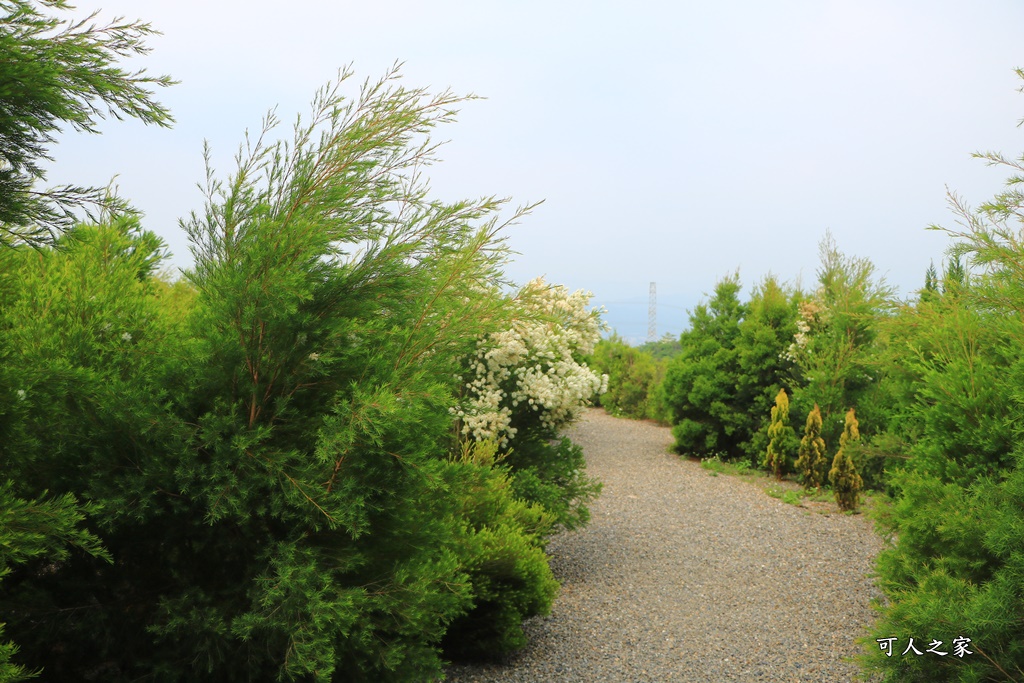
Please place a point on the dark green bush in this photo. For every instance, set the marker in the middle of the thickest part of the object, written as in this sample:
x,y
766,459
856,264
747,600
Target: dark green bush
x,y
719,391
700,383
552,474
503,554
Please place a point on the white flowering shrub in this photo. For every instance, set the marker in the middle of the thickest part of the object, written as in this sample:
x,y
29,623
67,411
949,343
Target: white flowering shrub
x,y
813,316
532,375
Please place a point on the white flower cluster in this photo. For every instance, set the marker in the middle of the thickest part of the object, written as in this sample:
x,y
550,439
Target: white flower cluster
x,y
812,313
531,366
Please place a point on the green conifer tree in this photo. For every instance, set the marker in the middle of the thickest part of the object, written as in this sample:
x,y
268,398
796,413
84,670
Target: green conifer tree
x,y
780,435
954,279
931,284
811,457
846,482
58,73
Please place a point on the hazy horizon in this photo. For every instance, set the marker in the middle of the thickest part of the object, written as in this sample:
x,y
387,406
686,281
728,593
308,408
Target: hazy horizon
x,y
672,143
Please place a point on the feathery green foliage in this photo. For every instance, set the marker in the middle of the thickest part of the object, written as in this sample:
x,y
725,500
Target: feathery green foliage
x,y
53,72
955,567
839,340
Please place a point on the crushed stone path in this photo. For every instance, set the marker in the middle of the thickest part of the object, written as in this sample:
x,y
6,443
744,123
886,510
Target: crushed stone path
x,y
683,576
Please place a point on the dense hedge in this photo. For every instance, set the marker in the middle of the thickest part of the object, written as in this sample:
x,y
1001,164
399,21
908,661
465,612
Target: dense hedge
x,y
634,375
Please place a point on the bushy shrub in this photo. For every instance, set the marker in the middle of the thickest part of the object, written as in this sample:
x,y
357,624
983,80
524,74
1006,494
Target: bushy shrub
x,y
633,376
810,462
846,482
530,379
526,382
552,474
502,552
955,571
700,383
718,392
781,436
764,368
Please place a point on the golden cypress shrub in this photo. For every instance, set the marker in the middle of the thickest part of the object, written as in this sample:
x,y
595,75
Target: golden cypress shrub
x,y
779,434
811,456
846,482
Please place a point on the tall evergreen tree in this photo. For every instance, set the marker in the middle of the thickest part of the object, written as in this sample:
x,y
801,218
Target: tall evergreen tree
x,y
700,383
931,284
954,279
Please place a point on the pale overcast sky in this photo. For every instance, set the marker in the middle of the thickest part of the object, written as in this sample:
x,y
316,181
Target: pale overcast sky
x,y
672,142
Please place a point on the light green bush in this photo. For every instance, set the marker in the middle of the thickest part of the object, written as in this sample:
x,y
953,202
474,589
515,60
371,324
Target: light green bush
x,y
633,378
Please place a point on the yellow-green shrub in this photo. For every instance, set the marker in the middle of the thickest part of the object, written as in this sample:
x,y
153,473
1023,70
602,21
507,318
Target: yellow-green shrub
x,y
846,482
810,463
780,436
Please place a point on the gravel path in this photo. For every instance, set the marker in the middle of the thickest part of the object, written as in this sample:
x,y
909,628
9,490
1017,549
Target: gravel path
x,y
682,576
